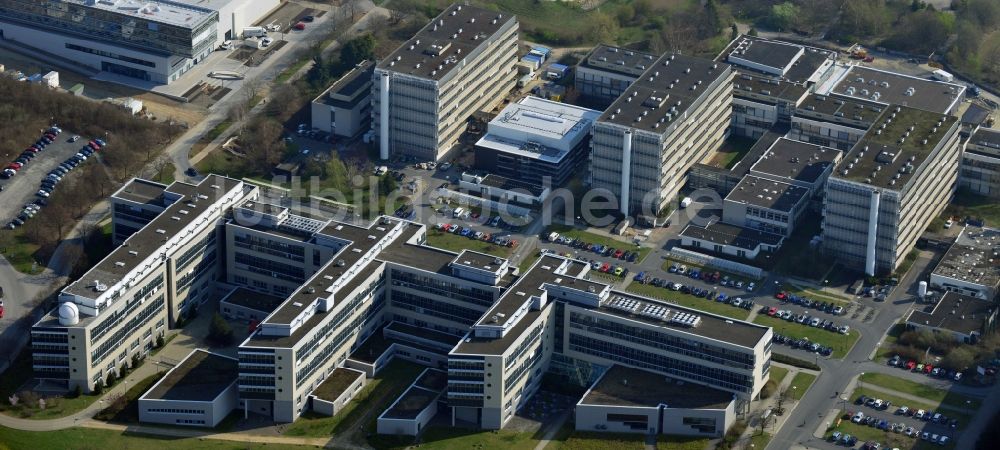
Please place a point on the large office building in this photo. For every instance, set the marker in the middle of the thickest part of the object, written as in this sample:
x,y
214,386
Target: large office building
x,y
158,273
886,190
152,41
672,117
971,266
608,71
345,108
460,63
537,141
773,77
980,170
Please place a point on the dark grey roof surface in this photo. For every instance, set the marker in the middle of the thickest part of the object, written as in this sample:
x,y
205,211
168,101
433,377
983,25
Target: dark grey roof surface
x,y
353,86
796,160
201,376
619,60
955,312
252,299
142,191
846,107
669,92
986,137
768,194
764,52
448,51
975,114
726,234
928,95
625,386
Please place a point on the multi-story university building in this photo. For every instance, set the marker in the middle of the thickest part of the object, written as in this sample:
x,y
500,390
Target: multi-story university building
x,y
980,171
608,71
151,41
359,296
672,117
885,191
460,63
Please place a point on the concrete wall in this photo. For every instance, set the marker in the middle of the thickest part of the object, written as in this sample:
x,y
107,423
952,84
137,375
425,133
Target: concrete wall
x,y
408,427
608,418
239,14
190,413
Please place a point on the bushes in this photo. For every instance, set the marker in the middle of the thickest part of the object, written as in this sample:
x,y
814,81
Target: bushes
x,y
732,435
219,332
792,361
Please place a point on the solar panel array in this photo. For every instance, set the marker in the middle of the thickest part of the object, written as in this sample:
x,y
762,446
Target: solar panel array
x,y
685,319
655,311
625,304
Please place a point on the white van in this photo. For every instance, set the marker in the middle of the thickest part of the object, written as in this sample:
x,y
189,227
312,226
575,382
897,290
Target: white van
x,y
458,212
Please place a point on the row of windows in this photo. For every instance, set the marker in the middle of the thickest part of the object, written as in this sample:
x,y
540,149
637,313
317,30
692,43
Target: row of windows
x,y
525,344
270,247
302,353
663,341
105,54
272,268
768,214
176,411
656,361
483,297
206,246
141,319
334,345
116,317
424,305
204,266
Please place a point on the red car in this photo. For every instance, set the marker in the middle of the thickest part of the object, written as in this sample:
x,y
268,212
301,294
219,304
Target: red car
x,y
781,296
299,26
93,146
618,254
1,309
32,150
928,368
15,165
910,364
604,267
772,311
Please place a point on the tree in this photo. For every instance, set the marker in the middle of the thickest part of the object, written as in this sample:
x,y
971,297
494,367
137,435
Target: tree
x,y
159,341
112,378
219,332
960,358
784,16
358,49
752,32
710,24
735,33
77,391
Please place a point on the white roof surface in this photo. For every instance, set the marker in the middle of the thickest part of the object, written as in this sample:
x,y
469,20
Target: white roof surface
x,y
540,128
178,13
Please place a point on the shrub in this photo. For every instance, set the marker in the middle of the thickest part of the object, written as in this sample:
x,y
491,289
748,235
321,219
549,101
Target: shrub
x,y
792,361
77,392
219,332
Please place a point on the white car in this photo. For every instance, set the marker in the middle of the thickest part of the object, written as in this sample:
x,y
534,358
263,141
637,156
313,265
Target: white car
x,y
74,138
948,223
751,287
226,45
858,417
264,42
844,329
42,194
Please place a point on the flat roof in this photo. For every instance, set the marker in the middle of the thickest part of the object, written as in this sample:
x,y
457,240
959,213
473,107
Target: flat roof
x,y
725,234
254,300
892,88
351,88
664,91
142,191
177,13
747,85
619,60
626,386
148,240
478,260
975,114
539,128
445,41
973,258
796,160
423,333
433,379
884,161
335,384
773,54
201,376
768,194
986,137
845,107
955,312
758,149
375,345
411,403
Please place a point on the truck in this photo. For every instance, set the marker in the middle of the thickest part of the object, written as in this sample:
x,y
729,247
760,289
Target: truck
x,y
250,32
941,75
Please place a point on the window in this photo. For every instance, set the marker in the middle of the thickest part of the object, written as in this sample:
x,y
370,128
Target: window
x,y
701,424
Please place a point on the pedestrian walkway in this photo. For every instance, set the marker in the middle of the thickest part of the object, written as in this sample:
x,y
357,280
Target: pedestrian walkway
x,y
198,434
852,386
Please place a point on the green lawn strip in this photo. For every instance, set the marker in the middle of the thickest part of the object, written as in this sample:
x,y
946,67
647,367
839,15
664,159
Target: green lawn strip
x,y
107,439
20,251
569,439
760,440
885,350
688,300
593,238
166,174
448,438
130,414
878,392
814,294
378,394
841,344
922,391
800,384
778,374
529,259
457,243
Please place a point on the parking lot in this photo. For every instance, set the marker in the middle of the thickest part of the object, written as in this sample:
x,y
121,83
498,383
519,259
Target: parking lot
x,y
21,188
890,426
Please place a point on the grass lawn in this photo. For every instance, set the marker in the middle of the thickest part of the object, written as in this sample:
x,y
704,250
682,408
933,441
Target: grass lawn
x,y
456,243
800,384
885,350
760,440
20,251
107,439
778,374
377,395
840,343
130,414
166,175
968,204
529,259
447,438
588,440
921,390
689,301
876,392
16,376
732,151
592,238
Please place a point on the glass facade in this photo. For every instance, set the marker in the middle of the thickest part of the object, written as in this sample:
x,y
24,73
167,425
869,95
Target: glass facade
x,y
130,30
